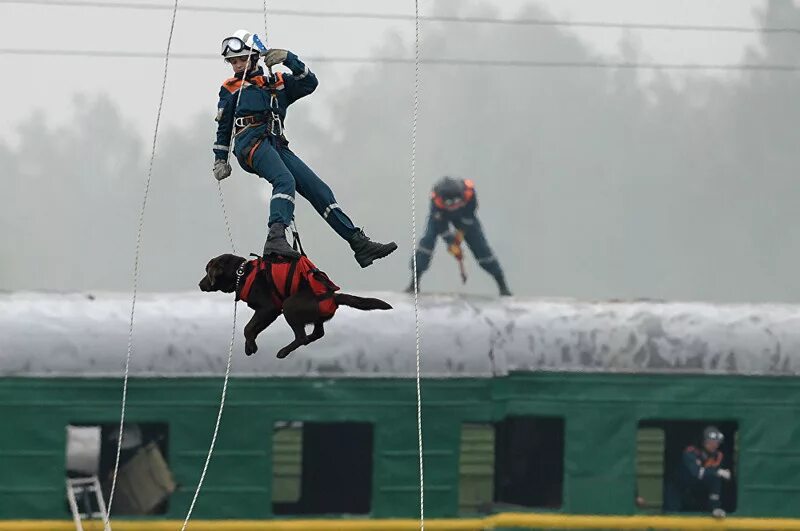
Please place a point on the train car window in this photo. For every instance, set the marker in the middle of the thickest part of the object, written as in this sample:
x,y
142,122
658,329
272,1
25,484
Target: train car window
x,y
144,481
667,480
322,468
476,468
287,462
529,462
649,467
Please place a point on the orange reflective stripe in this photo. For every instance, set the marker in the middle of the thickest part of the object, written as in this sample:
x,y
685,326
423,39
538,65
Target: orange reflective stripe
x,y
252,152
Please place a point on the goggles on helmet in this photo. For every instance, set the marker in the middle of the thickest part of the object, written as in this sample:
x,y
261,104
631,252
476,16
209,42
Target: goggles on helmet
x,y
240,44
233,44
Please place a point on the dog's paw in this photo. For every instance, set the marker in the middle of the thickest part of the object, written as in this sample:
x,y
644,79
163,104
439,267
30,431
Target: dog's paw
x,y
250,347
282,353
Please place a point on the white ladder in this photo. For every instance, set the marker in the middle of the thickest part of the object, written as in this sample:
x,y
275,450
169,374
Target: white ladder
x,y
80,487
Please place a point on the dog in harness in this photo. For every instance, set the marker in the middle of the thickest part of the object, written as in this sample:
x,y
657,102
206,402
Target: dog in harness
x,y
273,286
285,277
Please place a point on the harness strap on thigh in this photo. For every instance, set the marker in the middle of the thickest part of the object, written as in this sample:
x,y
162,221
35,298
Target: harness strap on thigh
x,y
253,151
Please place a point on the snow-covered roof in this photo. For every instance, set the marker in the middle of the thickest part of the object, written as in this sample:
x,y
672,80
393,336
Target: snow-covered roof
x,y
187,334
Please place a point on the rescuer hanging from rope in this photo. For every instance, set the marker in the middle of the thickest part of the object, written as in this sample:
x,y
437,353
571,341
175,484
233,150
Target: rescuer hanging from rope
x,y
253,115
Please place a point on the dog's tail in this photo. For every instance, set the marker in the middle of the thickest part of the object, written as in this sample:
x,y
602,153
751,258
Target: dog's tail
x,y
361,303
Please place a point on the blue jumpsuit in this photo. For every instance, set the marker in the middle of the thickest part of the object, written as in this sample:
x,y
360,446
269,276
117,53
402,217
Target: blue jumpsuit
x,y
696,485
466,220
267,155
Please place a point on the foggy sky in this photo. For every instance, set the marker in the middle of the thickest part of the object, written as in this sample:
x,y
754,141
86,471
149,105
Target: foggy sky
x,y
591,184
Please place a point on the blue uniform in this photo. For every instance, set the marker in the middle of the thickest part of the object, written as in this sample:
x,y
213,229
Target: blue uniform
x,y
696,485
463,218
261,148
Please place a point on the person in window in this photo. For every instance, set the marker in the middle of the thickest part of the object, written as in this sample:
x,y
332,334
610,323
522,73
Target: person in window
x,y
696,485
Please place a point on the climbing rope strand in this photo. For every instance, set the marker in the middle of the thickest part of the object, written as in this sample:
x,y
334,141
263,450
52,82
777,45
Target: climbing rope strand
x,y
225,216
227,159
107,515
235,307
236,106
219,183
227,366
219,412
266,33
414,260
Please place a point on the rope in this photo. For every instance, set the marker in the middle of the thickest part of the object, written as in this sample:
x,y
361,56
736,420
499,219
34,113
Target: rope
x,y
225,216
222,400
227,367
107,515
235,307
414,260
266,37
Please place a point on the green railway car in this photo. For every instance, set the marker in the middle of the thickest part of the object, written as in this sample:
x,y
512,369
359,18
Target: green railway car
x,y
528,405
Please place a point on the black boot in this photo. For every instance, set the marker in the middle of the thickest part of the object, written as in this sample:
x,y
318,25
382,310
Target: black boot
x,y
501,284
276,242
367,251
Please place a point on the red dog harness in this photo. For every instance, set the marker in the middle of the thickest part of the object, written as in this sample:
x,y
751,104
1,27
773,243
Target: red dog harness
x,y
285,278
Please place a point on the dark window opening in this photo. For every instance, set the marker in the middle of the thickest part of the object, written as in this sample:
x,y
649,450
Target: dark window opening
x,y
144,480
322,468
529,461
668,477
515,463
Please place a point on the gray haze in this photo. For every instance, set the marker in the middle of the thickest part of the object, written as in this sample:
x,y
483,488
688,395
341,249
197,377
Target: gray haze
x,y
592,184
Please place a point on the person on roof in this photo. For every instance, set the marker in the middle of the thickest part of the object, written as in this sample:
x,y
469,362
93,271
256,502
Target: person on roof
x,y
697,483
252,109
454,202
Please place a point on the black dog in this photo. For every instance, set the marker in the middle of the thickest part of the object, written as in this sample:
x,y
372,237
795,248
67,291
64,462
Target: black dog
x,y
298,301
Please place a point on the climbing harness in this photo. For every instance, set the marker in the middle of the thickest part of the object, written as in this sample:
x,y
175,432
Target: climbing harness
x,y
239,274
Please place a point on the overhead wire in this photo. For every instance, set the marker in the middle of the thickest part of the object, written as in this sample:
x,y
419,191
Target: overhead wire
x,y
153,6
498,63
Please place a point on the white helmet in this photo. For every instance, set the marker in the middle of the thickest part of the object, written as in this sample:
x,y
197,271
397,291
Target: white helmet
x,y
241,44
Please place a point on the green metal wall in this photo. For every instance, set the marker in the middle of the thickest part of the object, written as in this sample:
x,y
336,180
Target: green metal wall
x,y
602,413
